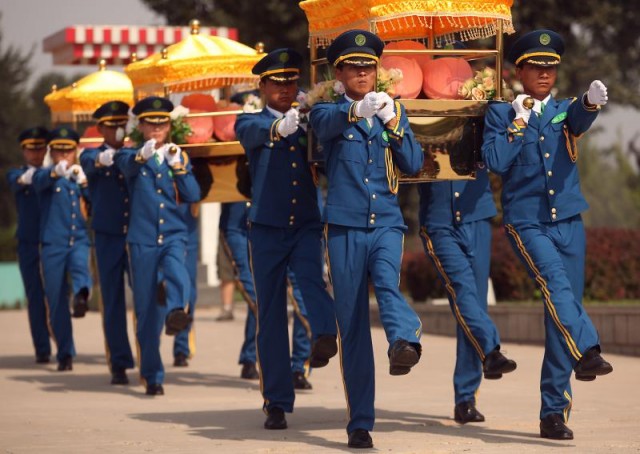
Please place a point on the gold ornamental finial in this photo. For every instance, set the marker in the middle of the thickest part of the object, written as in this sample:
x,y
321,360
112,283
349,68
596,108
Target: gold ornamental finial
x,y
260,47
134,57
528,103
195,26
165,53
102,65
54,88
74,85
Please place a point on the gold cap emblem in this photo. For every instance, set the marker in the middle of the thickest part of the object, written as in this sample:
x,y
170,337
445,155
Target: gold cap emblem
x,y
360,39
545,39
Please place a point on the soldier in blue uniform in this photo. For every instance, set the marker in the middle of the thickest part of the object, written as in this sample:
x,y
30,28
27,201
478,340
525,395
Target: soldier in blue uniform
x,y
33,142
456,234
535,152
284,233
366,141
62,191
110,221
233,227
160,180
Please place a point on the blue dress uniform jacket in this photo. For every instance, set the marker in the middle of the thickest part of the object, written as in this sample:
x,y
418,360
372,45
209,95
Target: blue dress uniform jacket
x,y
284,194
110,220
542,203
456,234
356,156
157,239
365,236
284,235
65,249
28,235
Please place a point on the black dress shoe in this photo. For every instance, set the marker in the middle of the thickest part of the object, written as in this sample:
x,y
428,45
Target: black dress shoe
x,y
180,360
465,412
324,348
276,419
300,381
80,304
495,364
176,321
553,427
592,364
43,359
65,364
155,389
402,357
361,439
119,377
249,371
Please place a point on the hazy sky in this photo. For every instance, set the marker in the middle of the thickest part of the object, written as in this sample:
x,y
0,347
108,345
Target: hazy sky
x,y
25,23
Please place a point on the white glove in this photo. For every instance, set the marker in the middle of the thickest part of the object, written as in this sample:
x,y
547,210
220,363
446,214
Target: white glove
x,y
597,93
61,168
289,123
27,176
75,172
387,111
368,107
172,158
521,111
148,149
105,158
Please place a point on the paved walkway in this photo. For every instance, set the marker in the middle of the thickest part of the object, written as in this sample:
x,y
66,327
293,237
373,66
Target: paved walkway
x,y
208,408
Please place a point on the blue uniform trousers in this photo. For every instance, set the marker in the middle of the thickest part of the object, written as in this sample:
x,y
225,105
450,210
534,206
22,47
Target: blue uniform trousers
x,y
147,262
185,341
301,348
462,256
554,254
111,255
355,254
57,261
29,261
273,250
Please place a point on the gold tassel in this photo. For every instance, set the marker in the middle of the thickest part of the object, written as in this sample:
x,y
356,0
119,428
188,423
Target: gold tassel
x,y
392,171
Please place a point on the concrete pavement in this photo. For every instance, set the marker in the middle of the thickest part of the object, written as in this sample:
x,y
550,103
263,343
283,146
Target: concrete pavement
x,y
208,408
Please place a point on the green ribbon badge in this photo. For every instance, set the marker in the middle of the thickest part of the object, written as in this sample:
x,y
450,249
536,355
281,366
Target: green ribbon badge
x,y
558,118
385,136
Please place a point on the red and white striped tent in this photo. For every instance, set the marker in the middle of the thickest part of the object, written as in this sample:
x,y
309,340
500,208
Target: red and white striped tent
x,y
88,44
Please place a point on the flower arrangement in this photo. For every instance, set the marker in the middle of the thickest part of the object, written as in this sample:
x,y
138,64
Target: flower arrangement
x,y
179,132
252,103
483,86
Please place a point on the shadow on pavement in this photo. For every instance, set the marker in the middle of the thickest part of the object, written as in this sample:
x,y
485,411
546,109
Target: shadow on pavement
x,y
29,362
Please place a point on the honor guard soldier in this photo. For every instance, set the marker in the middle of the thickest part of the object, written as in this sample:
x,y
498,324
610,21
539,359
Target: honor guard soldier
x,y
62,191
33,142
531,143
233,228
284,232
366,140
159,179
456,234
110,221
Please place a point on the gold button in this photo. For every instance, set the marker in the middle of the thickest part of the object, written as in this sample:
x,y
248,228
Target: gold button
x,y
458,218
144,173
370,161
57,189
160,240
457,213
159,175
159,191
294,165
126,214
541,138
292,217
554,211
162,205
120,176
161,221
350,136
550,173
551,192
294,201
373,215
372,221
290,222
126,200
374,196
553,216
546,155
369,142
366,180
73,227
73,204
107,173
292,148
72,192
456,194
270,144
73,215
